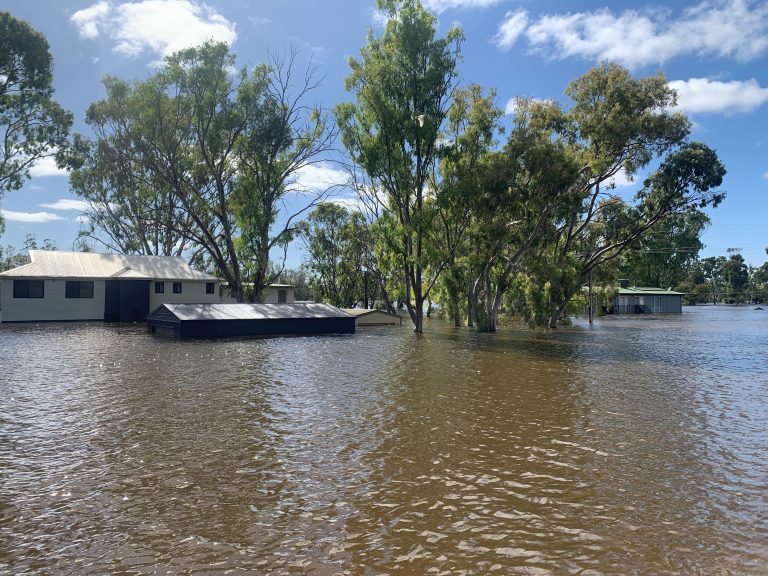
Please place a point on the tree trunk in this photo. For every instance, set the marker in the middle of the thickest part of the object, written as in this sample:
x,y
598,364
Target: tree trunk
x,y
470,304
455,312
557,314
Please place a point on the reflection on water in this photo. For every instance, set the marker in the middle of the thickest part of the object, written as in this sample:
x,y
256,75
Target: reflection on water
x,y
639,445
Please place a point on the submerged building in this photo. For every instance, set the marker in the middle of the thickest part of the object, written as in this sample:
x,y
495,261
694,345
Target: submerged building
x,y
64,286
638,300
248,320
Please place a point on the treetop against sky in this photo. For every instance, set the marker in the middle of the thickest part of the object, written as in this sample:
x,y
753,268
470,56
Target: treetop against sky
x,y
712,52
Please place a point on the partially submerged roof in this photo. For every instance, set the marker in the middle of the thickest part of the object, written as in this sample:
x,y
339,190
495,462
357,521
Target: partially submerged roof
x,y
640,291
185,312
56,264
365,311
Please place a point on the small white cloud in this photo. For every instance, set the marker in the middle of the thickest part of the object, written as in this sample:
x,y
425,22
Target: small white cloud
x,y
83,219
30,217
765,175
89,20
443,5
620,180
721,28
510,29
46,166
67,204
258,21
161,27
701,95
318,178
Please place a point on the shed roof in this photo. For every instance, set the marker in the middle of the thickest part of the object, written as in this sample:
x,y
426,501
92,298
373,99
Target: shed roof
x,y
641,291
366,311
249,311
56,264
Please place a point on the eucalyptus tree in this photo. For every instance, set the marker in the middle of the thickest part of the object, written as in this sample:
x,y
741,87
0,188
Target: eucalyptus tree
x,y
338,250
288,137
525,186
130,209
665,255
32,125
620,124
402,83
201,156
464,170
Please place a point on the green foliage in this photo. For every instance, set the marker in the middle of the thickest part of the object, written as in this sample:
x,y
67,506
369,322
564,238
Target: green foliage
x,y
32,124
197,159
664,256
339,249
402,83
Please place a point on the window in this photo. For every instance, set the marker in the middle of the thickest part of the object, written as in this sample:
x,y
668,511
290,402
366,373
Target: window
x,y
177,287
210,288
282,296
79,289
159,287
28,289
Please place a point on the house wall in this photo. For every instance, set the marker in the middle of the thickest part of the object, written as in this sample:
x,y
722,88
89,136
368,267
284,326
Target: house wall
x,y
656,303
378,319
271,296
192,292
53,307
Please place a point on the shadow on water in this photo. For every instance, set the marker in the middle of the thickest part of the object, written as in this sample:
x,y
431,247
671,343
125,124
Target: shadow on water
x,y
635,445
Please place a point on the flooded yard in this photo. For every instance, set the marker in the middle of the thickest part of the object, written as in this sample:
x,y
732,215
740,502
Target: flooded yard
x,y
639,445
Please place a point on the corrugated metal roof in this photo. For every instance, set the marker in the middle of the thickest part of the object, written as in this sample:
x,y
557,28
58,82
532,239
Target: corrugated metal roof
x,y
251,311
56,264
638,291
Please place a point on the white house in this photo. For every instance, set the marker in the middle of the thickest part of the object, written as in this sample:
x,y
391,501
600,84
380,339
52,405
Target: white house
x,y
61,286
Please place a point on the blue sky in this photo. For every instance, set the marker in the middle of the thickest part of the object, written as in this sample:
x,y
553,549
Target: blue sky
x,y
713,52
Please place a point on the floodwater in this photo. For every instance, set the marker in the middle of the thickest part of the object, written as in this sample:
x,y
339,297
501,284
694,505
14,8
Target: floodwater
x,y
637,446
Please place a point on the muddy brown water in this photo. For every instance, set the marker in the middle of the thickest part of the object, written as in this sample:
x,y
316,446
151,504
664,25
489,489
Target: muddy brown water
x,y
637,446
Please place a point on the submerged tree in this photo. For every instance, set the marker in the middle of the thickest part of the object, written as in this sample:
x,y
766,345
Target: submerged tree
x,y
619,124
402,83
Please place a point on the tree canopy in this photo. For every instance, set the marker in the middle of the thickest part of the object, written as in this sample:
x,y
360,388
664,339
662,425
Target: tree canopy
x,y
32,124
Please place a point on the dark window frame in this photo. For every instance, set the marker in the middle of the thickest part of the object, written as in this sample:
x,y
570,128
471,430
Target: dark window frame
x,y
210,288
282,296
177,287
78,289
159,287
28,288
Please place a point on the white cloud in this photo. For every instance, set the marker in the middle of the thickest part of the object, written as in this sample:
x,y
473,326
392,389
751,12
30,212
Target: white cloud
x,y
30,217
620,180
161,27
511,28
721,28
765,175
443,5
67,204
701,95
318,178
88,19
46,166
